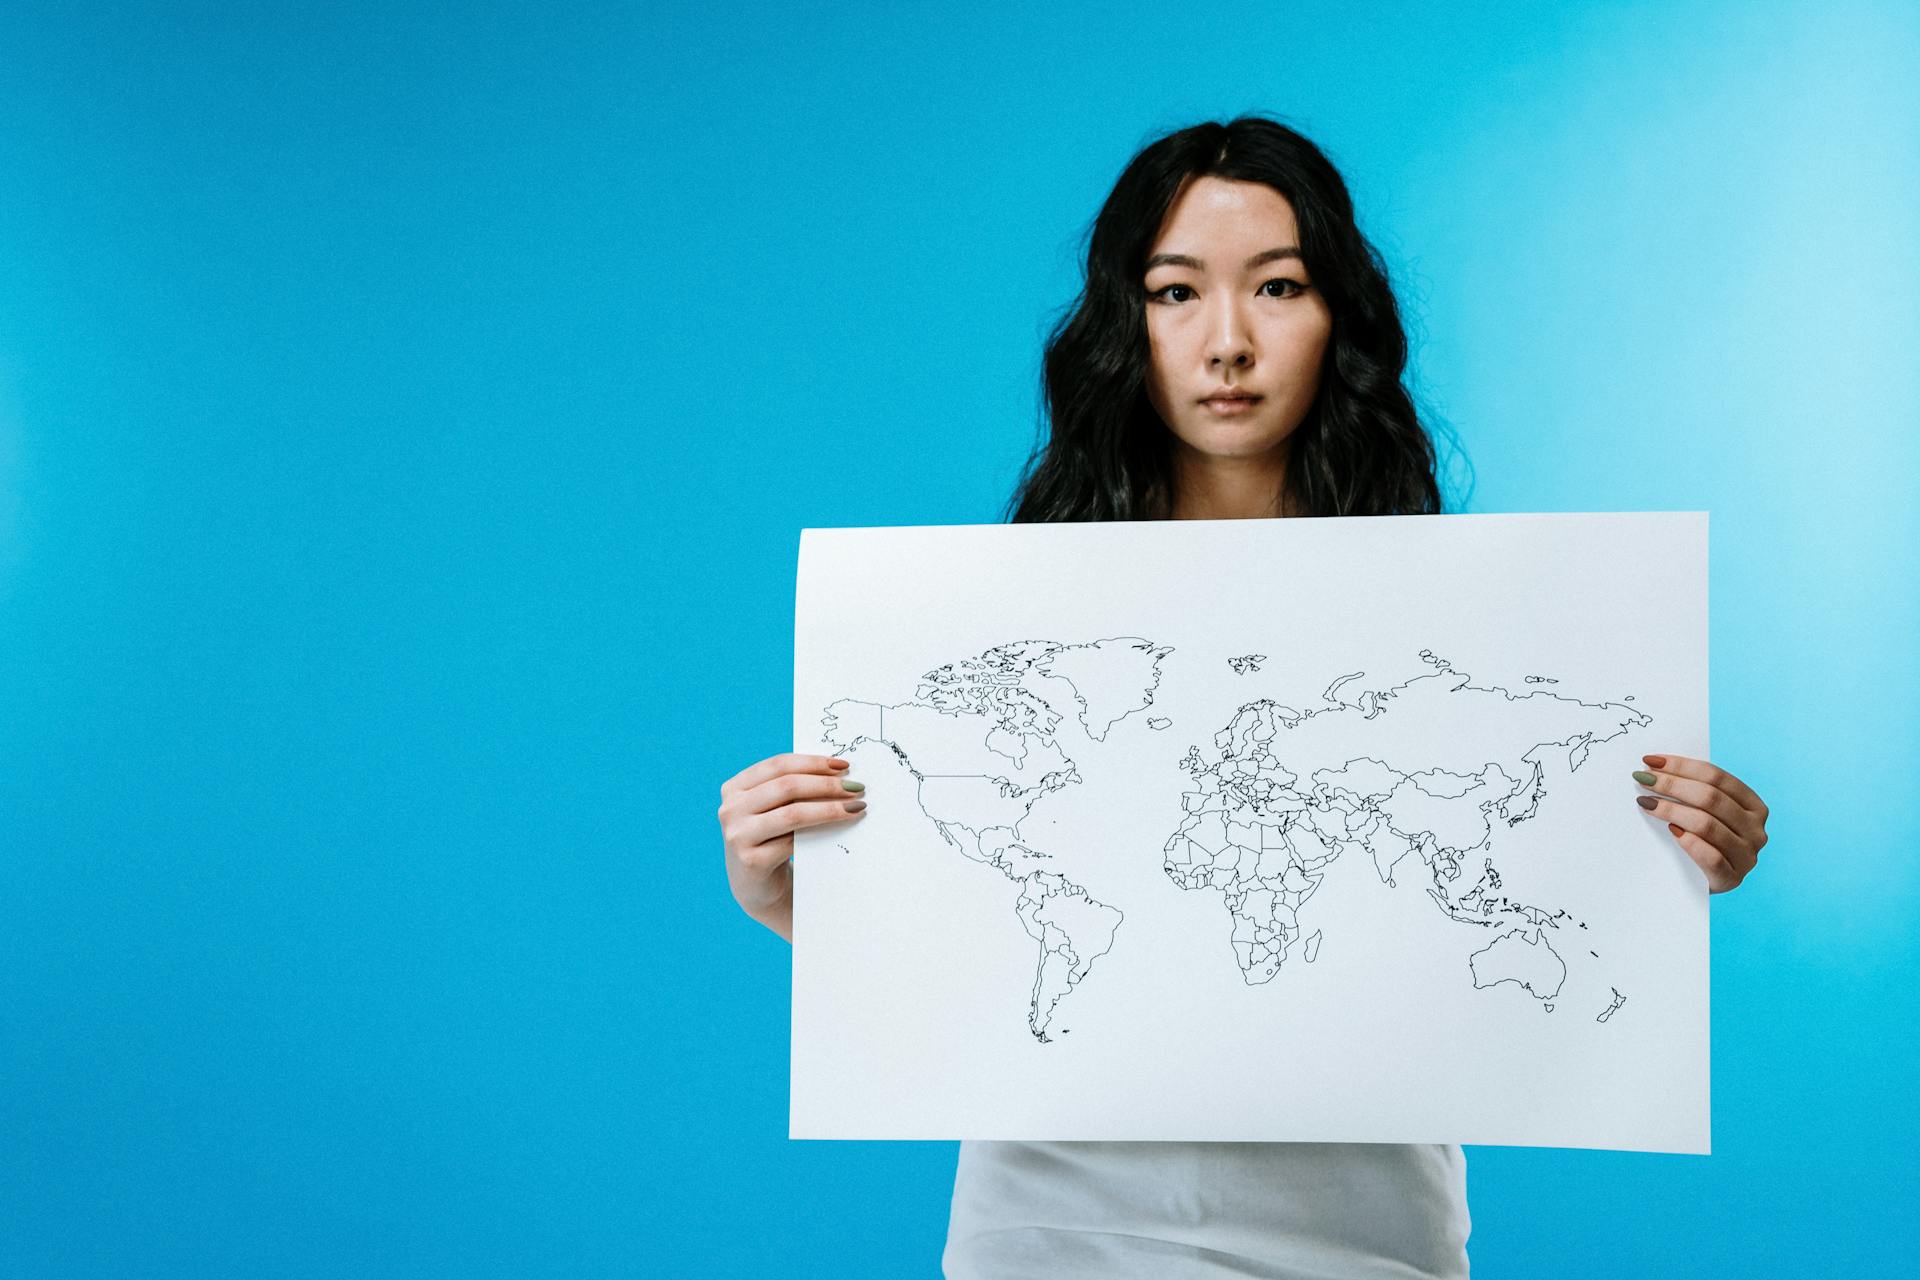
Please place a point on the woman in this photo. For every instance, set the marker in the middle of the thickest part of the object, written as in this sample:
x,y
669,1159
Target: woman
x,y
1237,352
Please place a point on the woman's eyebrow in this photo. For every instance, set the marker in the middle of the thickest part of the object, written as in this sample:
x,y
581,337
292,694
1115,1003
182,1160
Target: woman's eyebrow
x,y
1182,260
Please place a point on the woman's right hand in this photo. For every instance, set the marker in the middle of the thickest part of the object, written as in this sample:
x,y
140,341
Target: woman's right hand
x,y
760,809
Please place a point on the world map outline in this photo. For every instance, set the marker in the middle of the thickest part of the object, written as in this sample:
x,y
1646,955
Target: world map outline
x,y
981,738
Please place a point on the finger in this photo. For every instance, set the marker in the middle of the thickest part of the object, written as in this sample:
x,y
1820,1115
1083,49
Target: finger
x,y
1698,821
1702,795
789,762
786,788
1711,774
762,827
1722,875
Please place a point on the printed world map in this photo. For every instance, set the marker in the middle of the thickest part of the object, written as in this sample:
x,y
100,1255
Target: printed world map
x,y
1264,814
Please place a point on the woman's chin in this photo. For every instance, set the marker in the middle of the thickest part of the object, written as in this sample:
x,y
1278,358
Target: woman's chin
x,y
1228,441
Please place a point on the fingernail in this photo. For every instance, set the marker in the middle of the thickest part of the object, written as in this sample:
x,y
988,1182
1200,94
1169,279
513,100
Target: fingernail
x,y
1644,778
1655,762
837,763
855,806
851,785
1675,828
1646,802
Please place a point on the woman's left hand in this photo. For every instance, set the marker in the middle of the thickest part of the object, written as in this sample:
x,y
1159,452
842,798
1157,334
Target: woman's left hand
x,y
1716,817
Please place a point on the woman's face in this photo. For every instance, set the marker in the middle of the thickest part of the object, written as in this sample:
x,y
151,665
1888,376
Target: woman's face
x,y
1231,309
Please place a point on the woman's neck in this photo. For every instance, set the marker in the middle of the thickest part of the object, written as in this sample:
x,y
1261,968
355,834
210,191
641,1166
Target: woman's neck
x,y
1215,488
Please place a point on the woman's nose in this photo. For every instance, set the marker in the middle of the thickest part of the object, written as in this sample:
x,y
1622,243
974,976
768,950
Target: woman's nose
x,y
1228,342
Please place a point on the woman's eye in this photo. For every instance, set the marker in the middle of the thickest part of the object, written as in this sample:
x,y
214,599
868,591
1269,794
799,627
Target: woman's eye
x,y
1166,293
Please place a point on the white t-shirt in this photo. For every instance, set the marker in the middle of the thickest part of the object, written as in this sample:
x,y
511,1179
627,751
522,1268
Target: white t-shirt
x,y
1207,1209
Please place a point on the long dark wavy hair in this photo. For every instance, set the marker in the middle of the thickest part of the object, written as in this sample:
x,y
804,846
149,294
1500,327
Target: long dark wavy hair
x,y
1361,450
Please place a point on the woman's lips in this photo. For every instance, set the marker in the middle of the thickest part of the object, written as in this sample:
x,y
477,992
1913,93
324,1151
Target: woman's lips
x,y
1228,407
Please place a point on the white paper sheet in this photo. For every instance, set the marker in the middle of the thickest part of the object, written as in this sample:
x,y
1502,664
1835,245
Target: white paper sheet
x,y
1253,830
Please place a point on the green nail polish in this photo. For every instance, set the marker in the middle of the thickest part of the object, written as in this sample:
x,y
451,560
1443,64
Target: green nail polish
x,y
1644,778
851,785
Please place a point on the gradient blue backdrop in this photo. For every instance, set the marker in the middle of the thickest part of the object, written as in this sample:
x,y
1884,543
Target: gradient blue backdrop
x,y
407,414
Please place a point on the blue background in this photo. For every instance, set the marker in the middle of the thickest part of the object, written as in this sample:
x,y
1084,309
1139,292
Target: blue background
x,y
406,418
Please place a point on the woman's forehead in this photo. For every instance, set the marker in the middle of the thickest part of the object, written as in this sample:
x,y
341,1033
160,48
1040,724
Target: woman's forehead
x,y
1221,216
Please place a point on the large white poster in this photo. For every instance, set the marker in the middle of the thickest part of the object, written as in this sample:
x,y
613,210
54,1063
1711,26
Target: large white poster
x,y
1253,830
